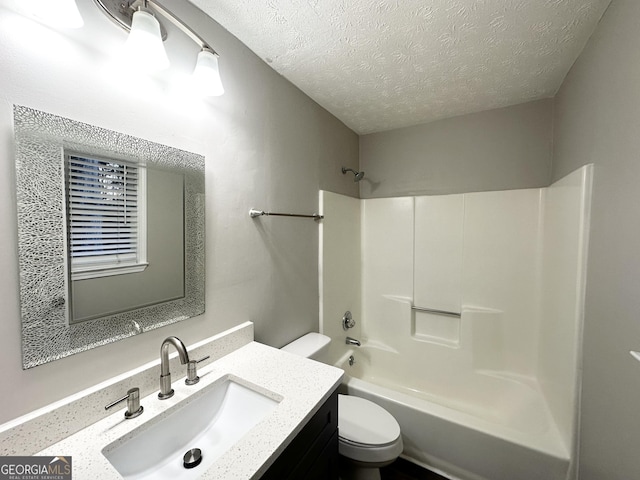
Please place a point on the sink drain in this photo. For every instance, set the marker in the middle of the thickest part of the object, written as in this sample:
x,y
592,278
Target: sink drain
x,y
192,458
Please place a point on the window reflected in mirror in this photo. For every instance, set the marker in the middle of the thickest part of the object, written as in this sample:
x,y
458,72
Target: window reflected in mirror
x,y
125,236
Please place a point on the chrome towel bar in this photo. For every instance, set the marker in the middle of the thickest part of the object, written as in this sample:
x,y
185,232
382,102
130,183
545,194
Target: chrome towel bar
x,y
437,312
258,213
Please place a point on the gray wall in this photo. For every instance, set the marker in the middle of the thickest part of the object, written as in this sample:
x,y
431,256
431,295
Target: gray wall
x,y
266,146
500,149
597,120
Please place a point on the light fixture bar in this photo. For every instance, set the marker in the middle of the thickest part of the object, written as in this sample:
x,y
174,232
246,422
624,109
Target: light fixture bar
x,y
206,75
121,13
180,24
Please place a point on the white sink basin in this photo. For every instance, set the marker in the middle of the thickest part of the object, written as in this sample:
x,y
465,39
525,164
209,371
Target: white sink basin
x,y
211,420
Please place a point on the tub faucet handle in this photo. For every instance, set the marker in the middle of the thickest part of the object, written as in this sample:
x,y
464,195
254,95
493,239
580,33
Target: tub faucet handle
x,y
348,321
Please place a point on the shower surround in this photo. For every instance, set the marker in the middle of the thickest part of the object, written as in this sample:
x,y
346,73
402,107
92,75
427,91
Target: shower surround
x,y
489,389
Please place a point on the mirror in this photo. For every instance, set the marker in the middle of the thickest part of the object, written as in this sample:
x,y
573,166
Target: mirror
x,y
63,313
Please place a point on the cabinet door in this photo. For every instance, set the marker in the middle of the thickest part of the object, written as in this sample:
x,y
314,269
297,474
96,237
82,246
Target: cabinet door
x,y
313,454
326,464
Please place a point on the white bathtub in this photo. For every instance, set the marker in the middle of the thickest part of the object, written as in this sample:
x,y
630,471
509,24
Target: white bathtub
x,y
474,426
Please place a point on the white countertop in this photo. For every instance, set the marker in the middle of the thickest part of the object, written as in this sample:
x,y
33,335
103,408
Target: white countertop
x,y
302,384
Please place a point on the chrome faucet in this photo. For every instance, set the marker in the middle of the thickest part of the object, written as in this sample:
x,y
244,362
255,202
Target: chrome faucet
x,y
165,376
352,341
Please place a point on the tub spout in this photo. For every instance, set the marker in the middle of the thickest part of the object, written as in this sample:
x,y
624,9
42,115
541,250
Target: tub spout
x,y
352,341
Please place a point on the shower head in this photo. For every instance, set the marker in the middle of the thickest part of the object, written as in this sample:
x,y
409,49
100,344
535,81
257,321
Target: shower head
x,y
358,175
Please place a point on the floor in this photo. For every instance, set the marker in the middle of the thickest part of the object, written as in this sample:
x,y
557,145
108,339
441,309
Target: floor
x,y
403,470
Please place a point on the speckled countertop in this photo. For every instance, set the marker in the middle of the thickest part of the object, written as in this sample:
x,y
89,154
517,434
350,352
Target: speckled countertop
x,y
303,385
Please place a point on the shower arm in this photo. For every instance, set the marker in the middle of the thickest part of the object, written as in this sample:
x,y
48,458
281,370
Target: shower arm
x,y
358,175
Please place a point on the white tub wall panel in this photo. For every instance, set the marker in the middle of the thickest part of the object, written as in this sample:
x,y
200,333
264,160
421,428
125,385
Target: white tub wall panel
x,y
435,328
340,269
395,312
387,260
402,361
398,358
438,252
563,276
431,369
500,267
381,366
390,321
484,331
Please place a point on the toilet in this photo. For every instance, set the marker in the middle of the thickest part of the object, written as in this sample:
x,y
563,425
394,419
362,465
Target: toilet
x,y
369,437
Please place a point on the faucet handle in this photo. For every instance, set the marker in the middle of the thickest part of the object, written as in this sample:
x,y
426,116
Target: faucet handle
x,y
192,372
348,321
133,403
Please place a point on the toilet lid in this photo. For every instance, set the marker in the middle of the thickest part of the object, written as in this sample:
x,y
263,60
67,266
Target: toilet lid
x,y
362,421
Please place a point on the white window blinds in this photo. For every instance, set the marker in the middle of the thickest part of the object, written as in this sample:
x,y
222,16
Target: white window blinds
x,y
105,215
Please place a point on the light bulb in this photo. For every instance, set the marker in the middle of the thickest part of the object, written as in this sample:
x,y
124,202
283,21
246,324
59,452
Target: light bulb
x,y
206,75
144,49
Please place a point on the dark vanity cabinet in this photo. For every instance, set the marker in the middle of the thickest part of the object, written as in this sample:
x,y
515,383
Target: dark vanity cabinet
x,y
313,454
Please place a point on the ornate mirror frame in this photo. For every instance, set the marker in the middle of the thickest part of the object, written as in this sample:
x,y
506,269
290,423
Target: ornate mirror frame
x,y
41,139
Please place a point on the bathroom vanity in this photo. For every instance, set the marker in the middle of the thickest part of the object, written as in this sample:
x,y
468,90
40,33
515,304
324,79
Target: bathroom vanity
x,y
276,411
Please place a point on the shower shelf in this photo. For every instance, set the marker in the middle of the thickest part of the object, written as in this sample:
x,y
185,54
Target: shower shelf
x,y
437,312
258,213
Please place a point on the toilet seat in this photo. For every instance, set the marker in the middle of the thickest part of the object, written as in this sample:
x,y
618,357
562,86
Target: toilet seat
x,y
367,432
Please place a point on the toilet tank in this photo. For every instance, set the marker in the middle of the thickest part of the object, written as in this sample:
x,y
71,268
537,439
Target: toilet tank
x,y
312,345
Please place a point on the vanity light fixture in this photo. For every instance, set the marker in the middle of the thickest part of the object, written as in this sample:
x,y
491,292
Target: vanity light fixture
x,y
144,44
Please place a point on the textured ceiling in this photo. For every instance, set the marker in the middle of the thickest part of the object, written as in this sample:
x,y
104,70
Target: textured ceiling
x,y
379,65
